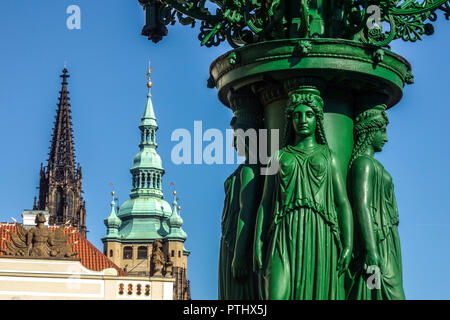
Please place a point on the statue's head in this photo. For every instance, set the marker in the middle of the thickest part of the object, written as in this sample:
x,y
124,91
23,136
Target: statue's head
x,y
157,243
304,117
40,218
370,130
245,125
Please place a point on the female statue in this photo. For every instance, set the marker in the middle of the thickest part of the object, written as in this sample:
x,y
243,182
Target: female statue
x,y
242,195
377,242
304,231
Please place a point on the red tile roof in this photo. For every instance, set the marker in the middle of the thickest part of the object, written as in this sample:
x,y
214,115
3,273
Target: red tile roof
x,y
90,256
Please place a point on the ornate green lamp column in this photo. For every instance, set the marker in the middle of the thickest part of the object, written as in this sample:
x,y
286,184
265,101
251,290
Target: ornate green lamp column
x,y
336,50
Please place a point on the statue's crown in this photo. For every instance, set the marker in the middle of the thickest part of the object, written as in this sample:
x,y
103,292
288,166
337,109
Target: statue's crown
x,y
376,113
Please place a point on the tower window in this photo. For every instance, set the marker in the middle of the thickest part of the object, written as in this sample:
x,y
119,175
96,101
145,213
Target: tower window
x,y
59,202
110,253
128,253
142,253
179,254
69,203
172,253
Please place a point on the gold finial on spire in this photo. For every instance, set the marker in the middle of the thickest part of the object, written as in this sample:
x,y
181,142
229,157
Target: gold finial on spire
x,y
149,81
113,193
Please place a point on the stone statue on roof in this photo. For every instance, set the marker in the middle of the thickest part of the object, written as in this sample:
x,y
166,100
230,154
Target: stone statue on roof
x,y
39,242
157,260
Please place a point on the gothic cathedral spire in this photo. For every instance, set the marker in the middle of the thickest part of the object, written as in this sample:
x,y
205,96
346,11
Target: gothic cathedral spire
x,y
60,191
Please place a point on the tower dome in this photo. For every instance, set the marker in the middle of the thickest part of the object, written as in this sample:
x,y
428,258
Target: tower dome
x,y
112,222
175,222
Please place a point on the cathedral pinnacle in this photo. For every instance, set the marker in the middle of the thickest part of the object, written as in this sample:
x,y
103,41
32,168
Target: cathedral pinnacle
x,y
60,191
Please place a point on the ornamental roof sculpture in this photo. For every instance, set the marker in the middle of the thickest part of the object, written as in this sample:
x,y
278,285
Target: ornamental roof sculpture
x,y
39,241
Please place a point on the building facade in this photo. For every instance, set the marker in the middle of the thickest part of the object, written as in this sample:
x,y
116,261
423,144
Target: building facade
x,y
60,190
147,231
83,273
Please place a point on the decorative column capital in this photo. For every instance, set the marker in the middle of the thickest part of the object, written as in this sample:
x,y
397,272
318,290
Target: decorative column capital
x,y
312,85
368,100
246,108
270,93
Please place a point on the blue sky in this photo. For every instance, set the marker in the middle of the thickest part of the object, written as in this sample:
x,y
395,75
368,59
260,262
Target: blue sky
x,y
107,60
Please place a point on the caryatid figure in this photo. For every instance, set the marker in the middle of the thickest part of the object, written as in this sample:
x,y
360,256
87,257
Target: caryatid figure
x,y
237,281
377,267
304,231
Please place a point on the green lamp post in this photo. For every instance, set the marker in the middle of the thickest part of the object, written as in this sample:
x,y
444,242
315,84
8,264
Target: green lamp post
x,y
322,74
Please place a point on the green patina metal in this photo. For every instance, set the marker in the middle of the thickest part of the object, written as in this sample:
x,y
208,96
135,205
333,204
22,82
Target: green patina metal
x,y
146,216
175,222
113,222
314,70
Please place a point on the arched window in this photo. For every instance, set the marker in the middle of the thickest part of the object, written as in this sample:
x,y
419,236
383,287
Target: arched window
x,y
110,253
179,254
69,204
142,253
128,252
172,253
59,202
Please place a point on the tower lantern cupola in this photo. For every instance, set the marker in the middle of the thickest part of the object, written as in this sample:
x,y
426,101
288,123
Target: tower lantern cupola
x,y
147,170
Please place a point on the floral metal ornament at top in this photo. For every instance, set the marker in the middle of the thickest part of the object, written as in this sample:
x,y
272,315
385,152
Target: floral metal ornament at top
x,y
243,22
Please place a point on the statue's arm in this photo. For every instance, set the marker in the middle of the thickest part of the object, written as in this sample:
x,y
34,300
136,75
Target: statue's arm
x,y
345,217
263,221
248,200
362,175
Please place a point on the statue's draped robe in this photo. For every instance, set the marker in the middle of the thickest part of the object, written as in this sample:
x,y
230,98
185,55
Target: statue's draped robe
x,y
304,240
229,288
385,219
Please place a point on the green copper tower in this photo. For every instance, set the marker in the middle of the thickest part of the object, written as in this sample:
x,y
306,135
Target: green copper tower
x,y
113,222
146,216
